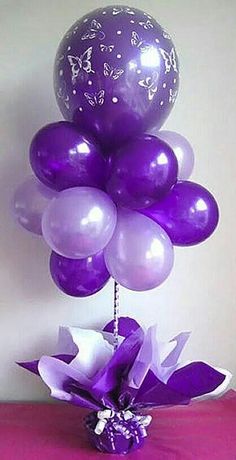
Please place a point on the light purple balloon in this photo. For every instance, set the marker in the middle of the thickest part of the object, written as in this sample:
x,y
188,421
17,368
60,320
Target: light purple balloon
x,y
29,202
79,222
140,254
182,149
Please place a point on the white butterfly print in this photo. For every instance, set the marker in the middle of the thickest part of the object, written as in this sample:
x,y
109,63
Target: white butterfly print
x,y
95,99
170,60
148,16
112,72
58,60
166,35
107,48
146,25
150,84
95,30
79,63
62,94
138,42
172,96
121,10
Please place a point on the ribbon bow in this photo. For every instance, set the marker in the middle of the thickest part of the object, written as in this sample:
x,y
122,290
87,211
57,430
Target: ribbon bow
x,y
107,414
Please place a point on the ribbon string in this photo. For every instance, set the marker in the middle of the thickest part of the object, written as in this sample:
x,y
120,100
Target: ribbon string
x,y
116,316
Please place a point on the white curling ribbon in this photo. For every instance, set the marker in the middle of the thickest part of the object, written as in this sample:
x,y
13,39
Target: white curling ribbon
x,y
144,420
100,426
103,417
128,415
107,414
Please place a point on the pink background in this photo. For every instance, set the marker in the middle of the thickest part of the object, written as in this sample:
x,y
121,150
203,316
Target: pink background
x,y
202,431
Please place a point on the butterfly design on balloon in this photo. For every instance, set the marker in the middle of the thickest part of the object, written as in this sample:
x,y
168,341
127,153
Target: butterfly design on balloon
x,y
59,60
106,48
119,10
150,84
62,94
112,72
139,42
95,99
166,35
169,59
146,25
79,63
94,31
172,96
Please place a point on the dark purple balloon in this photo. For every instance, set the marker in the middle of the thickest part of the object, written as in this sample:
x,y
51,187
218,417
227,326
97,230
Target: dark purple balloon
x,y
126,326
141,172
62,157
189,214
79,277
116,74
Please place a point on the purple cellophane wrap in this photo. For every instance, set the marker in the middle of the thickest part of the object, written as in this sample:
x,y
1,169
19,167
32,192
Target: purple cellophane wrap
x,y
141,374
120,437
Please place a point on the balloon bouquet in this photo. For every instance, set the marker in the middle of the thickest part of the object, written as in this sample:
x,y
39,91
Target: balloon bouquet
x,y
111,194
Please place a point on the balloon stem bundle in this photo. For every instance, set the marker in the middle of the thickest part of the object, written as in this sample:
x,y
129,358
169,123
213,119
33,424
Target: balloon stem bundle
x,y
116,306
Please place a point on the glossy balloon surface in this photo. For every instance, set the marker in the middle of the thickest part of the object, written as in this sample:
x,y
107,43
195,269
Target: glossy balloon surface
x,y
189,213
61,156
79,222
79,277
141,172
182,150
29,202
116,74
140,254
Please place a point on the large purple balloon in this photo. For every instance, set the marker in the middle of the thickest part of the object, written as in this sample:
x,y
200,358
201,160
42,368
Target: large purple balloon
x,y
189,213
182,150
116,73
79,277
141,172
29,202
140,254
63,157
79,222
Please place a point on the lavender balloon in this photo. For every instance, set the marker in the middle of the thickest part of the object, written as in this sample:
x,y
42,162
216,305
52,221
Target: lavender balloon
x,y
79,277
189,213
63,157
79,222
116,74
30,200
140,254
141,172
182,149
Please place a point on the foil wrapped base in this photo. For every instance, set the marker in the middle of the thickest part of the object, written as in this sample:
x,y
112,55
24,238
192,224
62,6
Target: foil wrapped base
x,y
119,436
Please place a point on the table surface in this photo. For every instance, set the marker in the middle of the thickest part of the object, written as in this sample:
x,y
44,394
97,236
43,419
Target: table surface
x,y
204,430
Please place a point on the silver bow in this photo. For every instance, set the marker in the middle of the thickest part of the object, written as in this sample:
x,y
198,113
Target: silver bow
x,y
107,414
